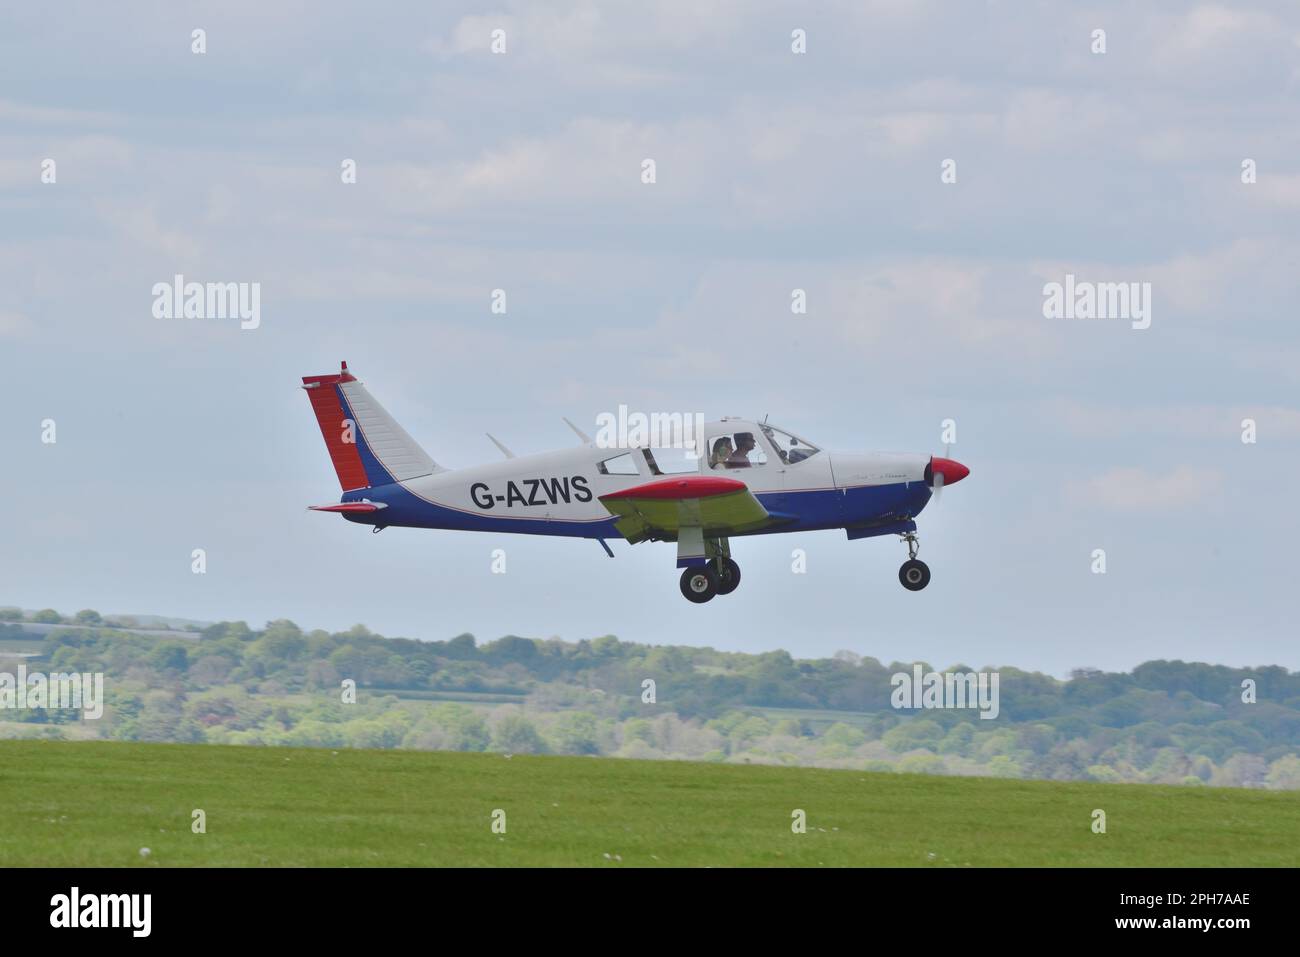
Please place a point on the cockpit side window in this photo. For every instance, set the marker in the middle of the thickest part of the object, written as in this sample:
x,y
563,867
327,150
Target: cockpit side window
x,y
789,447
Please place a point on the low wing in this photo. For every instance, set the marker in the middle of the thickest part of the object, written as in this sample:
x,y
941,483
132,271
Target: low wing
x,y
660,509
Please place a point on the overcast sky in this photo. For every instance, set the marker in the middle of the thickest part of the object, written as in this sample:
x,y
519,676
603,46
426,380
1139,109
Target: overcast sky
x,y
775,171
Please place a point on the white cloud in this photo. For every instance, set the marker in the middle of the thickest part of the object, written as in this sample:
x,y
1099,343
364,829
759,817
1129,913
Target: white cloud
x,y
1213,423
12,112
141,226
1055,121
1210,25
1139,488
15,325
1275,189
473,34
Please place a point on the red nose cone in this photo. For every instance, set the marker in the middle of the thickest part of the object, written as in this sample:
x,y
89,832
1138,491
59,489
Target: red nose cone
x,y
952,472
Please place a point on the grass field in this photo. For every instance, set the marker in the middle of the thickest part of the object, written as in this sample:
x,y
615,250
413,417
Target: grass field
x,y
99,803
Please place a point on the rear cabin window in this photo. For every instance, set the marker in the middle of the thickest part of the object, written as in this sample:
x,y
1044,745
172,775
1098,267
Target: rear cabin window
x,y
618,465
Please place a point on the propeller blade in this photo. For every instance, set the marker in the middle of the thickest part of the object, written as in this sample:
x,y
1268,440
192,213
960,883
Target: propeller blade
x,y
944,471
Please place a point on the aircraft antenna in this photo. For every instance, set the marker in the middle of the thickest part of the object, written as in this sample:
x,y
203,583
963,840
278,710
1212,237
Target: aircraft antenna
x,y
577,431
504,451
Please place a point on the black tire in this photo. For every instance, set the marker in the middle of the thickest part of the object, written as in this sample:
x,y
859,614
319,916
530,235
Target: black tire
x,y
914,574
699,584
730,577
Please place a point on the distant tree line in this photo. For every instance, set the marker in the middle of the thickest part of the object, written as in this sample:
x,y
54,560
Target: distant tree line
x,y
1165,721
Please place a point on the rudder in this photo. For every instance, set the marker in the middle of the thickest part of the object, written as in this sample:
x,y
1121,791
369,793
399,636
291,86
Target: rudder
x,y
365,444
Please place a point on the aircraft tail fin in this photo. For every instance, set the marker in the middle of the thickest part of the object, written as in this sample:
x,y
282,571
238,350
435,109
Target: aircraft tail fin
x,y
366,445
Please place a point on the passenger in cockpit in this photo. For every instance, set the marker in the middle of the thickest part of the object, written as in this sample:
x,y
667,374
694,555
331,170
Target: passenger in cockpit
x,y
722,449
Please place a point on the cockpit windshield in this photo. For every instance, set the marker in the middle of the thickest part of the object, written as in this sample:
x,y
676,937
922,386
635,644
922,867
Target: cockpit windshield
x,y
791,448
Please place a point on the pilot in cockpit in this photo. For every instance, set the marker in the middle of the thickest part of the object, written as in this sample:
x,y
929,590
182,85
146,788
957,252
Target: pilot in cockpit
x,y
739,459
722,450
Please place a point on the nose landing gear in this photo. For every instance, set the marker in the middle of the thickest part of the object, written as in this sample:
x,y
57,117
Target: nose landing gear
x,y
914,573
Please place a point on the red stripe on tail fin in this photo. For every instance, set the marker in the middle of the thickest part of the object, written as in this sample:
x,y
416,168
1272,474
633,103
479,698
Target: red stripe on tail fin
x,y
323,392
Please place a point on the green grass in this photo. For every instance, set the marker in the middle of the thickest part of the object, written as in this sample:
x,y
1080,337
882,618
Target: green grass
x,y
98,803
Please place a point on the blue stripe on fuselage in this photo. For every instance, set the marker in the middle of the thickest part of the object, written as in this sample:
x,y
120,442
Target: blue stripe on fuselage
x,y
811,509
408,510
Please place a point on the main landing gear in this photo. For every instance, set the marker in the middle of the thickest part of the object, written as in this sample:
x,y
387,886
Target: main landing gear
x,y
914,573
719,577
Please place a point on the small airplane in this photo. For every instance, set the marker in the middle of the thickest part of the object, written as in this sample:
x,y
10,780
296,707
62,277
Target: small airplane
x,y
738,478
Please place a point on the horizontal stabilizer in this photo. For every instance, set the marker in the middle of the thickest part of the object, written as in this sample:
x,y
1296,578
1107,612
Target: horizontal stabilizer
x,y
349,507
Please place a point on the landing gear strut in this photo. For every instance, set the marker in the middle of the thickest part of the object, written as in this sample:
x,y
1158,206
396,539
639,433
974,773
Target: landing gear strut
x,y
729,578
914,573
